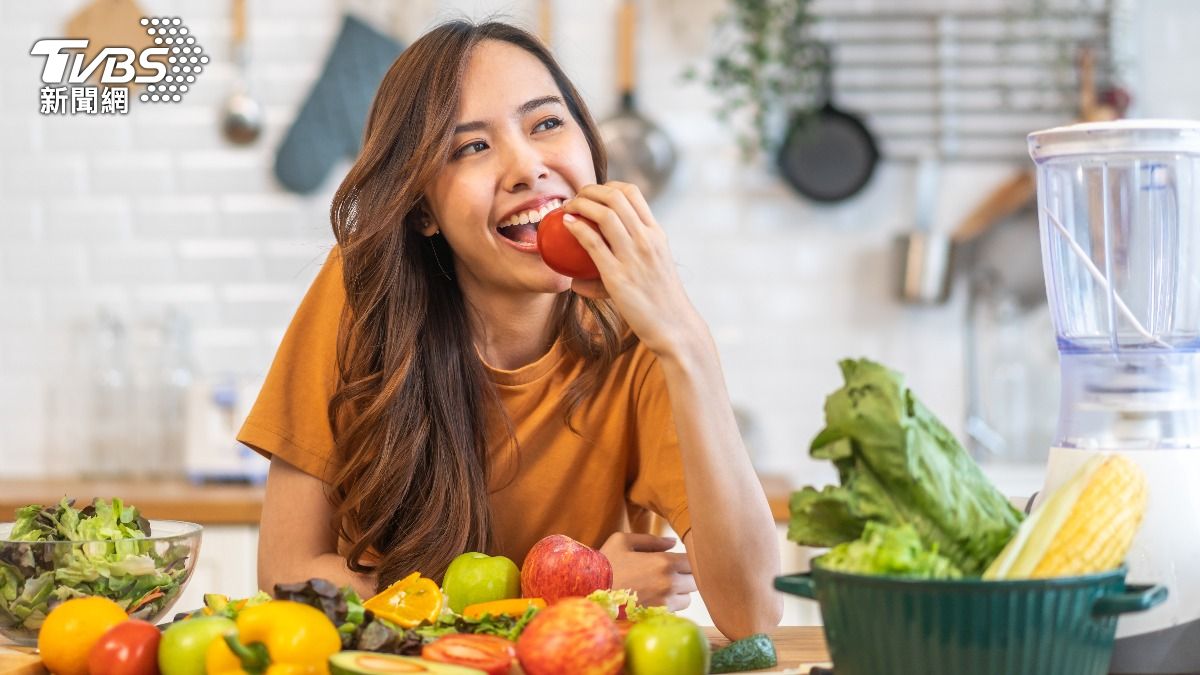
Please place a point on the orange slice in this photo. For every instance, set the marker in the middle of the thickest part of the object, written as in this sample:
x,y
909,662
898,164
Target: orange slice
x,y
408,602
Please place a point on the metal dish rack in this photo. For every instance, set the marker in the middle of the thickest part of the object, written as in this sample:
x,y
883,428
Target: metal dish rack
x,y
965,85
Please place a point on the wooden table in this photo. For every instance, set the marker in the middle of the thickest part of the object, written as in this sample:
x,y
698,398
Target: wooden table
x,y
19,660
798,648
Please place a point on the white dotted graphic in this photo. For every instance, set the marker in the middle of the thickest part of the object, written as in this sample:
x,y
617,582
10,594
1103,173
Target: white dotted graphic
x,y
169,32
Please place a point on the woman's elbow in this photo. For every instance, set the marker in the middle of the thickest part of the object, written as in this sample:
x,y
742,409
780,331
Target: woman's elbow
x,y
759,615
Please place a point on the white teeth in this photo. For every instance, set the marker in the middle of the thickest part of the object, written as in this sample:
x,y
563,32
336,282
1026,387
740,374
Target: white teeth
x,y
533,216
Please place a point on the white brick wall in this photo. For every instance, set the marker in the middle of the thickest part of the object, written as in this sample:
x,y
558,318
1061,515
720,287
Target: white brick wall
x,y
153,211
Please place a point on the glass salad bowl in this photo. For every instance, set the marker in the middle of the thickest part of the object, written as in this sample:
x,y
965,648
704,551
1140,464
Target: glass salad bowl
x,y
143,573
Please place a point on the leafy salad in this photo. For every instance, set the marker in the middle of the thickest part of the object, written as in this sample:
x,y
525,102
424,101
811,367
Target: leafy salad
x,y
911,500
107,554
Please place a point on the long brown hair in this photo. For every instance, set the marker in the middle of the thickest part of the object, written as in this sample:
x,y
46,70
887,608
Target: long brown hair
x,y
413,400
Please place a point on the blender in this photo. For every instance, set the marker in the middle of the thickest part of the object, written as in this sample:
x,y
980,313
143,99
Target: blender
x,y
1119,210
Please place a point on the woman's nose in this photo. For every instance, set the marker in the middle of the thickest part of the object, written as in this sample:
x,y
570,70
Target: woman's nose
x,y
524,166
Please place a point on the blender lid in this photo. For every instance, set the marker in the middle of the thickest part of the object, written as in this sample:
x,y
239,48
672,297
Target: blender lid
x,y
1119,136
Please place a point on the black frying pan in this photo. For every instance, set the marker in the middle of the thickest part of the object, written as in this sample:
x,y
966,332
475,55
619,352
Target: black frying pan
x,y
828,155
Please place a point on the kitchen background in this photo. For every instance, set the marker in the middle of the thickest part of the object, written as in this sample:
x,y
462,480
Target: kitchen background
x,y
148,268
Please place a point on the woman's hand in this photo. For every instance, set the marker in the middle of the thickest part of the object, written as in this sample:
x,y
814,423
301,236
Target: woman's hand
x,y
635,264
642,563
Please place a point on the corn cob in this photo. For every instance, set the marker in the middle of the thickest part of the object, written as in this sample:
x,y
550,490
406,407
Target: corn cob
x,y
1086,526
1102,523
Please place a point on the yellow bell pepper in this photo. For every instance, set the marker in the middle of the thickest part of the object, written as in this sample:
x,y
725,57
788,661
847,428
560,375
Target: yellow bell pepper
x,y
277,638
409,602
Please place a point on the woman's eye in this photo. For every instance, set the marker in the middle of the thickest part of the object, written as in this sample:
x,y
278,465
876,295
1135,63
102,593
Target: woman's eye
x,y
548,124
470,149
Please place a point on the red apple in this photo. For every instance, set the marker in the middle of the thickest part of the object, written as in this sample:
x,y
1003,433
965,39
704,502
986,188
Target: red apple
x,y
559,567
576,636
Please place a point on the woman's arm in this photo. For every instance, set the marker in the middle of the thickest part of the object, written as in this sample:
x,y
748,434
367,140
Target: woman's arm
x,y
295,542
731,545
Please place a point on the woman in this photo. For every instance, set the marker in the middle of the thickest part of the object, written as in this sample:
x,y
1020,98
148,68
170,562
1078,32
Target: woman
x,y
441,390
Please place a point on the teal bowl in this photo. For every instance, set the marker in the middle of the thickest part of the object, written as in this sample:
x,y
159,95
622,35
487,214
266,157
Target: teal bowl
x,y
876,625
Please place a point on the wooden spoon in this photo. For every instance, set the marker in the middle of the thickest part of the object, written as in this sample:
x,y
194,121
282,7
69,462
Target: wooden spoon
x,y
1021,188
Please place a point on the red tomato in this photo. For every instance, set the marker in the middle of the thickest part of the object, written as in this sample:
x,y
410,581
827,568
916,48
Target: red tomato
x,y
489,653
128,648
561,251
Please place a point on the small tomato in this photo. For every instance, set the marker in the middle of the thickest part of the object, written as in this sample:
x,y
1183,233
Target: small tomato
x,y
129,648
489,653
561,251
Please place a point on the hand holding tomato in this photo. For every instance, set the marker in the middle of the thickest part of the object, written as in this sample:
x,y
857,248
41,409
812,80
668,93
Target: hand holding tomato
x,y
636,268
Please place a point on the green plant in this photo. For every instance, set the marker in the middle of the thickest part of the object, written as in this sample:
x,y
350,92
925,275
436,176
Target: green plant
x,y
766,67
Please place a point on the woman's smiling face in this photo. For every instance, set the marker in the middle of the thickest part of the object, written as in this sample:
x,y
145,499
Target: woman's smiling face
x,y
516,153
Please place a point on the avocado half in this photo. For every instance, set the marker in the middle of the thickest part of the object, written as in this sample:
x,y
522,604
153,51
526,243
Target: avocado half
x,y
370,663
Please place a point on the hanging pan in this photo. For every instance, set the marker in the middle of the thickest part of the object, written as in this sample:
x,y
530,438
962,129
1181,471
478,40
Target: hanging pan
x,y
828,155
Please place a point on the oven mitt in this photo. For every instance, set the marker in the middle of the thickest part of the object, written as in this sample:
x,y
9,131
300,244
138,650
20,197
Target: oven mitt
x,y
331,121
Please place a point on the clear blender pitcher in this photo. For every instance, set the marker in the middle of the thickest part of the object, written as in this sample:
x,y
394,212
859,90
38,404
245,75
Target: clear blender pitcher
x,y
1119,208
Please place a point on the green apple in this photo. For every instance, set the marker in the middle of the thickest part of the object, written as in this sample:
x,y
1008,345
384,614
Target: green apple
x,y
666,645
475,577
185,643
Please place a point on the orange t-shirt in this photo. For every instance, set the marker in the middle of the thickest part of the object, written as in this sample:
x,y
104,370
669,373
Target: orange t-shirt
x,y
625,465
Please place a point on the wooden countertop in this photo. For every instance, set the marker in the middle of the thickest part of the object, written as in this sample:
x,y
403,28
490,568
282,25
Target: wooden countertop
x,y
213,504
779,492
799,648
158,499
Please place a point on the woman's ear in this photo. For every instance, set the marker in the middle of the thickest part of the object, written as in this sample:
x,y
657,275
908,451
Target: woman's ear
x,y
428,224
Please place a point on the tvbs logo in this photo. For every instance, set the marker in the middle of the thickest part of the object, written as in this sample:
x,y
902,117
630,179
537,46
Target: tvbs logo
x,y
167,64
118,63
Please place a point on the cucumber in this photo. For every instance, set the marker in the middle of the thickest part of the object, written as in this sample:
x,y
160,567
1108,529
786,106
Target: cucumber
x,y
752,653
370,663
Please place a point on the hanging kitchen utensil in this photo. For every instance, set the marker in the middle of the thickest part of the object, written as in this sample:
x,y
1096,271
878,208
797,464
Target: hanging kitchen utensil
x,y
107,23
639,152
243,117
546,22
1020,189
1010,196
1091,108
828,155
924,252
331,121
